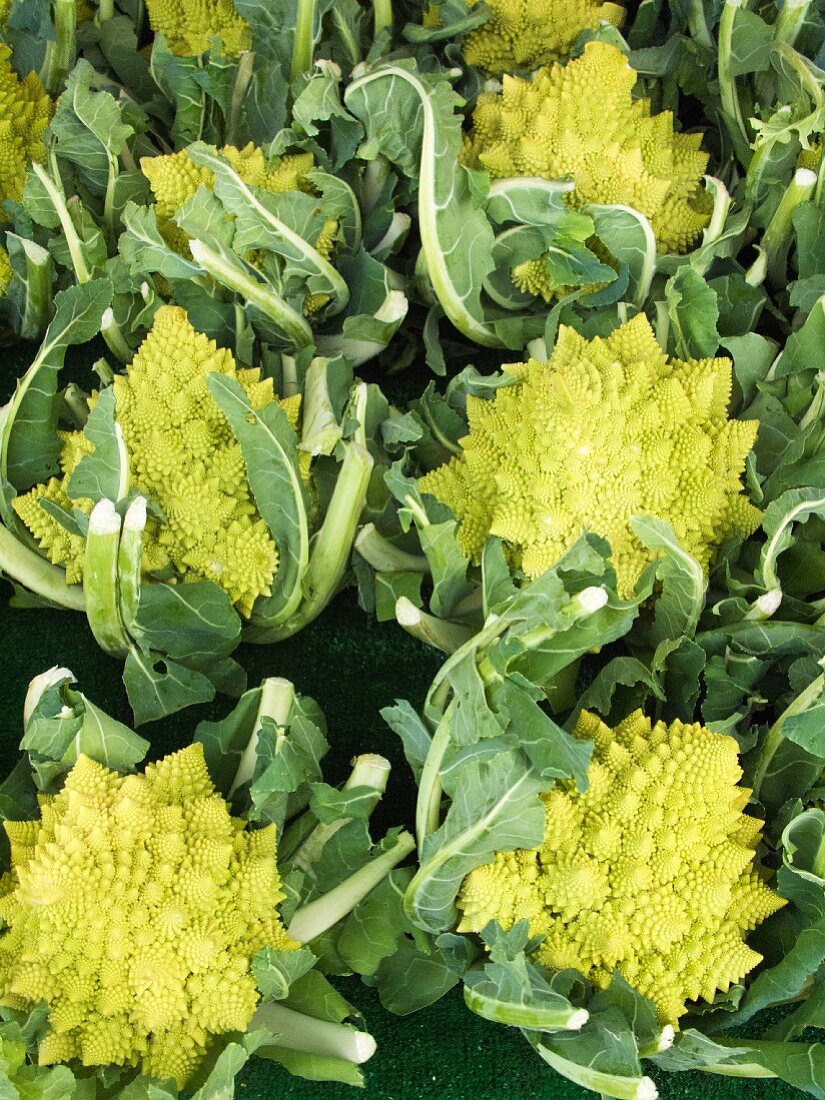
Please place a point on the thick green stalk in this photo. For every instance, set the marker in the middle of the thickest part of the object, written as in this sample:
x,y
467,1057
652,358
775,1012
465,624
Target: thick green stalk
x,y
318,916
297,1031
304,45
40,684
100,579
789,20
727,81
20,563
277,697
608,1084
382,12
70,235
110,330
61,51
262,297
384,556
246,64
698,24
332,546
368,770
779,233
440,634
105,10
129,559
38,290
536,1018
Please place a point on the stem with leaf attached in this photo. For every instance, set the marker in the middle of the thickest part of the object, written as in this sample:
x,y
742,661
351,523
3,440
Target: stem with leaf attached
x,y
277,697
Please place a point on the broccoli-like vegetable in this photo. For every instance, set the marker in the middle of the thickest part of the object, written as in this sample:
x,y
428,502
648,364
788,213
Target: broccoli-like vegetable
x,y
134,907
25,112
175,178
581,120
183,454
524,34
188,26
147,916
649,871
606,430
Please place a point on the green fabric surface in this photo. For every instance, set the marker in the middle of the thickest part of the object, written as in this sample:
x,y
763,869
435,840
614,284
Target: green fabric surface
x,y
353,667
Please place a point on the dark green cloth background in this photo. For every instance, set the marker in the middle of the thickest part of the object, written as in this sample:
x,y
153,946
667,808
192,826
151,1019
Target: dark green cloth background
x,y
353,667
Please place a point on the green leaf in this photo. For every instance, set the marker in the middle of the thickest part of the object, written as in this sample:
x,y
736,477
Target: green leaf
x,y
192,622
494,808
693,312
682,599
103,474
29,446
269,447
156,685
89,129
65,724
411,119
275,971
629,237
144,249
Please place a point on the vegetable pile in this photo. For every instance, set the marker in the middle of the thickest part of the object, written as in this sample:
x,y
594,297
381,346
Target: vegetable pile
x,y
508,316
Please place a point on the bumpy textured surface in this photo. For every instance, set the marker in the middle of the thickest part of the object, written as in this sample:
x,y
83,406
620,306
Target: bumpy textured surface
x,y
525,34
174,179
5,271
184,456
25,112
188,26
581,120
134,907
651,870
606,430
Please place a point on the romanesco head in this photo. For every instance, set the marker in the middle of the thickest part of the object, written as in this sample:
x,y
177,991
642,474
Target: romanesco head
x,y
5,271
133,908
649,871
188,26
175,178
606,430
525,34
25,112
581,120
184,456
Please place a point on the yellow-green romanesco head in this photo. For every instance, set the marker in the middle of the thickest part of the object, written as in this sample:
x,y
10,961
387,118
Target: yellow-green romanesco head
x,y
175,178
183,455
525,34
25,112
581,120
810,158
5,271
133,908
188,26
649,871
606,430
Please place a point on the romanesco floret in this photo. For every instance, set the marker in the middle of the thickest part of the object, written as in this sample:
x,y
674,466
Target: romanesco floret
x,y
189,25
811,157
606,430
133,908
183,455
581,120
649,871
524,34
5,271
25,112
175,178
